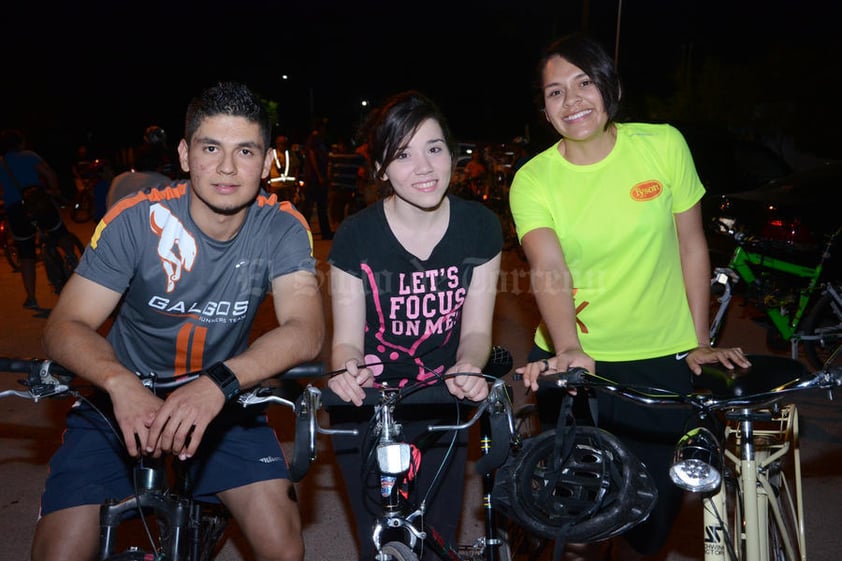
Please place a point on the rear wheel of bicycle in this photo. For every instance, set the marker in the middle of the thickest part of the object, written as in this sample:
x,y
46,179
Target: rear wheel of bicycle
x,y
54,267
61,258
824,320
397,551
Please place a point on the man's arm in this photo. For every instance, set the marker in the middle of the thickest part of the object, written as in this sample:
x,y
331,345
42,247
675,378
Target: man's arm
x,y
298,338
181,422
70,338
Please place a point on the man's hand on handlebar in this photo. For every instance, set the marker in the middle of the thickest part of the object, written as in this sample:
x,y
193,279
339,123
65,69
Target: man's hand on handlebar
x,y
349,385
135,408
729,358
181,421
561,362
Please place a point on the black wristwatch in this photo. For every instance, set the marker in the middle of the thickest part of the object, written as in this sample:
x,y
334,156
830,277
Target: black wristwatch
x,y
224,378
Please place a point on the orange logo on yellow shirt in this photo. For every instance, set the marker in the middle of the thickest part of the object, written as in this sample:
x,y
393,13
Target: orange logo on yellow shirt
x,y
647,190
582,327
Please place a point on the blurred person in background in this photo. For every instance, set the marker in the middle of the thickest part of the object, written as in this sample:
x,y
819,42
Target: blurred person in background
x,y
24,169
316,183
157,137
477,175
285,171
146,172
102,173
344,175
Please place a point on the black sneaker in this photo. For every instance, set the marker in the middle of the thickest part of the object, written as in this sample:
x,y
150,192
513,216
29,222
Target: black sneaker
x,y
31,304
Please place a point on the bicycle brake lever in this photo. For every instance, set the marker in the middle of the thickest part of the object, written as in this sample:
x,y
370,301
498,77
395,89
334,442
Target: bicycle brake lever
x,y
262,394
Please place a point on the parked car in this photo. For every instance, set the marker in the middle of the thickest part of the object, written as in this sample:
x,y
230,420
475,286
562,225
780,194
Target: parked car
x,y
798,209
727,162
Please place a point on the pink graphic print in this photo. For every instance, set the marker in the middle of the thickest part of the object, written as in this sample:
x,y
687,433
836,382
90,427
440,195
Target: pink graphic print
x,y
417,297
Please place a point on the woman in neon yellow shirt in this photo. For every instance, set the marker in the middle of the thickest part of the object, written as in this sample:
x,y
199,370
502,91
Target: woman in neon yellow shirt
x,y
609,219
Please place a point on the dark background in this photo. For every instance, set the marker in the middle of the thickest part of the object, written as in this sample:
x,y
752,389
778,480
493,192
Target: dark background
x,y
99,72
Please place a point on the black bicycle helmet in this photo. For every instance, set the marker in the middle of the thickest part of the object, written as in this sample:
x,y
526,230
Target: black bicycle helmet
x,y
597,490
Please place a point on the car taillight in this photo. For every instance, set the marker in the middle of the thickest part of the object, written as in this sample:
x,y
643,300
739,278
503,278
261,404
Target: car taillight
x,y
787,231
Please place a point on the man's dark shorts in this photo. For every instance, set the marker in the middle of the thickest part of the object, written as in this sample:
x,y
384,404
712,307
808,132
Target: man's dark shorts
x,y
92,465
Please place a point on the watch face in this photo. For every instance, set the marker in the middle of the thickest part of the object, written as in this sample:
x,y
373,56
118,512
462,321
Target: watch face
x,y
224,378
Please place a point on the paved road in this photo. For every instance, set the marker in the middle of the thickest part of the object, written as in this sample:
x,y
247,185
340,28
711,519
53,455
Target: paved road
x,y
29,433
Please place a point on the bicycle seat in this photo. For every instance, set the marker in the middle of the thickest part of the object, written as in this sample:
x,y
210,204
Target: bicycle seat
x,y
765,373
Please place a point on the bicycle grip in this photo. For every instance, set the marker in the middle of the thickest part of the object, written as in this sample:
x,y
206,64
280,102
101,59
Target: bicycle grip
x,y
18,364
304,370
500,445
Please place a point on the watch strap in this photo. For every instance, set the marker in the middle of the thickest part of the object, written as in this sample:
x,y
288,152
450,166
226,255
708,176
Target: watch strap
x,y
223,377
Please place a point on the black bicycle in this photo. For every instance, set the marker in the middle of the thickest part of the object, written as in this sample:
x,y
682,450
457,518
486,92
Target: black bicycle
x,y
176,526
401,532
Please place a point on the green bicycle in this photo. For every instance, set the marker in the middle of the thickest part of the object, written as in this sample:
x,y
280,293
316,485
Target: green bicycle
x,y
802,305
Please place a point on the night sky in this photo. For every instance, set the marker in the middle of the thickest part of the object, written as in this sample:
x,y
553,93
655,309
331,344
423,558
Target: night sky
x,y
99,73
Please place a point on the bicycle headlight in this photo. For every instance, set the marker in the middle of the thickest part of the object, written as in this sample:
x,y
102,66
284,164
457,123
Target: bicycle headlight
x,y
393,458
697,462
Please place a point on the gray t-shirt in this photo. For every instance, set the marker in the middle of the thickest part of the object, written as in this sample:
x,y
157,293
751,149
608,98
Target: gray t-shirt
x,y
190,301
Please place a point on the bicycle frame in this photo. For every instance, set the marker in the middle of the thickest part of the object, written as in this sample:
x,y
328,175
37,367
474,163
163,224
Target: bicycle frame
x,y
743,263
760,452
394,461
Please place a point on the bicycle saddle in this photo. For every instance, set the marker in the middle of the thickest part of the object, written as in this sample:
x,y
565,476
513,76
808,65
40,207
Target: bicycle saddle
x,y
765,373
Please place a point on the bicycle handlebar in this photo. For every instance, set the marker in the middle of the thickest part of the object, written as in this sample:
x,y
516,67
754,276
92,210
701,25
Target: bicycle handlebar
x,y
766,381
46,378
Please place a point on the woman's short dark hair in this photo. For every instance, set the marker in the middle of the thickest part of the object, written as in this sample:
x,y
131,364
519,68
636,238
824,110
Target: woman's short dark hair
x,y
591,57
228,98
393,123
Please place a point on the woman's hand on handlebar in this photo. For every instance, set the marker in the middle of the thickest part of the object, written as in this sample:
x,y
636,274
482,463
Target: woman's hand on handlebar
x,y
729,358
465,386
349,384
561,362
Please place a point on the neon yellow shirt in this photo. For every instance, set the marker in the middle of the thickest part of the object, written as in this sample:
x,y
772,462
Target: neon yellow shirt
x,y
614,220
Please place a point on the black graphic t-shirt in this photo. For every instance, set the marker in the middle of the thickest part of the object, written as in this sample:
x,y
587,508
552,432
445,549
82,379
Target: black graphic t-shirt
x,y
413,306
